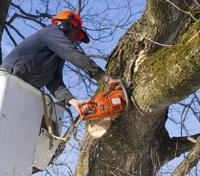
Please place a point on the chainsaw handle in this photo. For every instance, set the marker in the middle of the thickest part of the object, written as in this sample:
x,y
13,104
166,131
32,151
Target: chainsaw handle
x,y
91,107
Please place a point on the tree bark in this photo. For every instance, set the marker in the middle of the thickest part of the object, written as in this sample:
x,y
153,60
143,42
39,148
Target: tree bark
x,y
137,142
4,6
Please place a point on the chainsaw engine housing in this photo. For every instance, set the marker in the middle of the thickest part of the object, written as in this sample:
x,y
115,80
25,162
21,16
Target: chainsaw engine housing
x,y
108,104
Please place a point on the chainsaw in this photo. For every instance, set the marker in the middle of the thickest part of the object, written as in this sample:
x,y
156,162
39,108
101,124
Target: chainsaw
x,y
107,104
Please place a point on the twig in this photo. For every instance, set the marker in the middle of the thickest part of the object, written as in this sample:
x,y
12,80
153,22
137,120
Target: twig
x,y
44,15
16,30
78,9
197,3
9,34
157,43
186,12
153,41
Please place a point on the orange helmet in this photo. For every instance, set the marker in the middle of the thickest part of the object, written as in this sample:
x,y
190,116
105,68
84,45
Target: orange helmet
x,y
75,21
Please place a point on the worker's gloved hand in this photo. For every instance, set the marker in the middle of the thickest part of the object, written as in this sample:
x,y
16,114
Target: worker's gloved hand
x,y
82,106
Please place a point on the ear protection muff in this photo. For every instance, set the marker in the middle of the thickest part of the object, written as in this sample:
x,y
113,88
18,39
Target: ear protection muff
x,y
71,23
66,25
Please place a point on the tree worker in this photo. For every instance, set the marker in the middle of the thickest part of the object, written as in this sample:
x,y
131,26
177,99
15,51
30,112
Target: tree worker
x,y
39,59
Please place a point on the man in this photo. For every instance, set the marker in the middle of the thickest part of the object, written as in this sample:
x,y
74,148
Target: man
x,y
39,59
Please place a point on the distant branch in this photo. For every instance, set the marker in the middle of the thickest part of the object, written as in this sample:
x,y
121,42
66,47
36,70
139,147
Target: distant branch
x,y
12,18
70,6
10,36
38,18
78,9
32,19
16,30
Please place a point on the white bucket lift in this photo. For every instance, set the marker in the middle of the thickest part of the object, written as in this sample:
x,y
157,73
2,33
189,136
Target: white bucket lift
x,y
22,142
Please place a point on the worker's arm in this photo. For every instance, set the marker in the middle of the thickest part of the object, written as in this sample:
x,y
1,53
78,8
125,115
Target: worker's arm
x,y
58,89
57,41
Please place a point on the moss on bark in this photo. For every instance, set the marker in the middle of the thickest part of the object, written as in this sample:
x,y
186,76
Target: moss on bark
x,y
171,72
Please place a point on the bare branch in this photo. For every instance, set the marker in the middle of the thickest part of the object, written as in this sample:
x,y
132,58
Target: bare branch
x,y
38,18
11,37
186,12
69,5
16,30
15,15
189,162
31,19
78,9
174,147
39,15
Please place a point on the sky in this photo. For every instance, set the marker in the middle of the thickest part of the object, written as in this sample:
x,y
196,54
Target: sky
x,y
117,12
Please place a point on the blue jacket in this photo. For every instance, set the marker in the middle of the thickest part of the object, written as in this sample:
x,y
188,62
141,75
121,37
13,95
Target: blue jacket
x,y
39,60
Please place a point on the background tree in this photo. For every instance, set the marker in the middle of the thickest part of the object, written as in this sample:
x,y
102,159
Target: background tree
x,y
4,5
158,57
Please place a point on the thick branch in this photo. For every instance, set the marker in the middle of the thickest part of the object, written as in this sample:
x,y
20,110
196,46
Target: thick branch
x,y
170,74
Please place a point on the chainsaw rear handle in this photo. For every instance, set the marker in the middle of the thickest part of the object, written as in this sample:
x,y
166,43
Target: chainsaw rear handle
x,y
92,104
107,89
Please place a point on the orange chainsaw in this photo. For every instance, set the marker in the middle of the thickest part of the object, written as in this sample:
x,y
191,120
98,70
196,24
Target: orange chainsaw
x,y
107,104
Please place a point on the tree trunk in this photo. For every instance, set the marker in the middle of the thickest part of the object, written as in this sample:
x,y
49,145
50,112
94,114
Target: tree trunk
x,y
137,142
4,6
